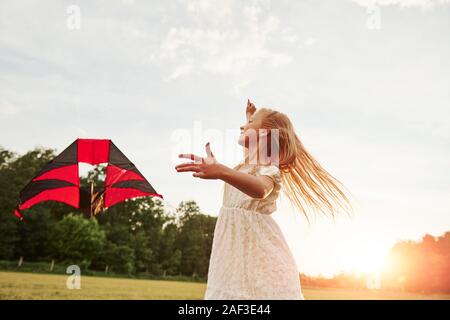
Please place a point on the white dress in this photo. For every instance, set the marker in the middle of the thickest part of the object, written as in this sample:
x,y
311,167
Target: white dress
x,y
250,258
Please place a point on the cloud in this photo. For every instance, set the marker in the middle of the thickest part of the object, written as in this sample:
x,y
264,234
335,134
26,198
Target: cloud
x,y
402,3
7,108
222,37
310,42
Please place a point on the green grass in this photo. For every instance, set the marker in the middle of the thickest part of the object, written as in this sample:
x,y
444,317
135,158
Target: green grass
x,y
20,285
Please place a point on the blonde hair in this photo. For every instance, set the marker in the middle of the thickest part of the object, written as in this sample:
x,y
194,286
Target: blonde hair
x,y
306,183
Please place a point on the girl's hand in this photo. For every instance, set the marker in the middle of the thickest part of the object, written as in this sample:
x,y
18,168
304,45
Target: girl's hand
x,y
205,168
250,110
208,168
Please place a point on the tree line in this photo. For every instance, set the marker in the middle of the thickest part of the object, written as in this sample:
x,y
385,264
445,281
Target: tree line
x,y
413,266
136,236
419,266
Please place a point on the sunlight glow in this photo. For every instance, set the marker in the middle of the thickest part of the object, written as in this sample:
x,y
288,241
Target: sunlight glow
x,y
368,258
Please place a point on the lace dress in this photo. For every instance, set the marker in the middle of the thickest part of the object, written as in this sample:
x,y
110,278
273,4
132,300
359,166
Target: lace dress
x,y
250,258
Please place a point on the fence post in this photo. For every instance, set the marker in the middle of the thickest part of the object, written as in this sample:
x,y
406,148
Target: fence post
x,y
52,265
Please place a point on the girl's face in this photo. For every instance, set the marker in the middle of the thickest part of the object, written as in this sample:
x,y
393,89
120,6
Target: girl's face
x,y
254,123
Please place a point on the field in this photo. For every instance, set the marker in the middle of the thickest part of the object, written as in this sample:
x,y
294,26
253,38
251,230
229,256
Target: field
x,y
19,285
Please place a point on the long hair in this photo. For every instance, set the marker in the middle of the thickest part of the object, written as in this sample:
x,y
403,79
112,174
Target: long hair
x,y
306,183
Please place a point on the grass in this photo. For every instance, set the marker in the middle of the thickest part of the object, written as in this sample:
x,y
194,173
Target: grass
x,y
349,294
20,285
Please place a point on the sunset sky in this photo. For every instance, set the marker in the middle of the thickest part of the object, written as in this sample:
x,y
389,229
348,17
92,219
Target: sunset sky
x,y
366,84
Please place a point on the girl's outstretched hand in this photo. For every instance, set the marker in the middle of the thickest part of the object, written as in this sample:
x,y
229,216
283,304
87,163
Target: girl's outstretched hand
x,y
250,110
208,168
205,168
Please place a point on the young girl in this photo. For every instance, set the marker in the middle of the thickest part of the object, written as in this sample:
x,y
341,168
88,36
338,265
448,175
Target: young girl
x,y
250,258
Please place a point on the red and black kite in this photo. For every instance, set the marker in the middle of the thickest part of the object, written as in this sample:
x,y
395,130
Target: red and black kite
x,y
59,179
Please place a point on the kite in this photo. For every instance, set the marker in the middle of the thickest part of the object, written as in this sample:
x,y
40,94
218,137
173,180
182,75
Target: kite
x,y
59,180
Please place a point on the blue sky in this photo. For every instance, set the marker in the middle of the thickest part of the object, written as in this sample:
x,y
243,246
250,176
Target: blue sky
x,y
372,104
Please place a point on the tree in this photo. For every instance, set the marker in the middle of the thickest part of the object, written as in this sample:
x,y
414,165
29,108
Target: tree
x,y
76,239
15,172
195,239
420,266
34,234
170,255
138,224
119,258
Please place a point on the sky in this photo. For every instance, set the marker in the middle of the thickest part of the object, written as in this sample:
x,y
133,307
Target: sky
x,y
366,84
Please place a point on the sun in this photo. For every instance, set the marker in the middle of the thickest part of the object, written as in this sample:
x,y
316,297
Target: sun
x,y
367,258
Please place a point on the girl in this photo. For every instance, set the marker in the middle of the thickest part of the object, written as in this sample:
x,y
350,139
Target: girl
x,y
250,258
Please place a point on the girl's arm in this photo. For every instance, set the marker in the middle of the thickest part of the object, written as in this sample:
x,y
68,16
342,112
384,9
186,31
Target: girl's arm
x,y
257,187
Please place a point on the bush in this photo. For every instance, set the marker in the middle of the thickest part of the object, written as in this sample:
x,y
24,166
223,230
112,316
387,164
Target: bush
x,y
76,240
